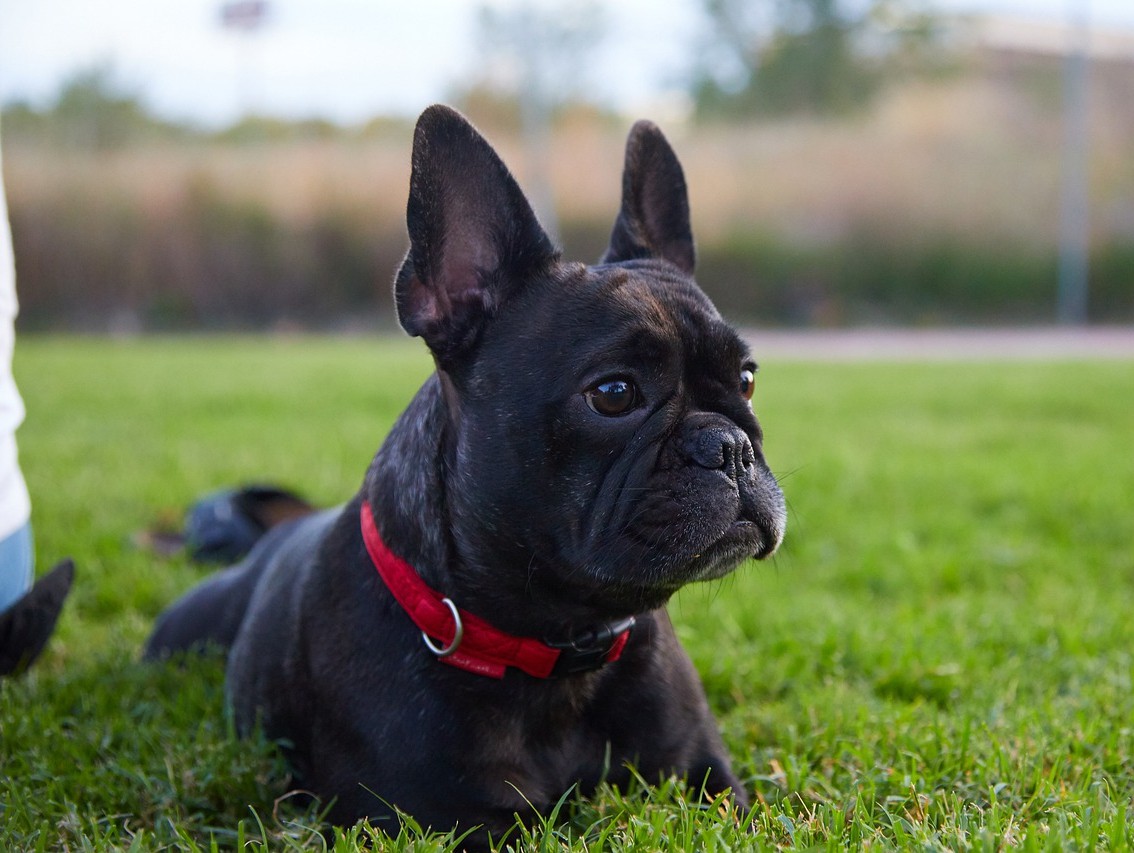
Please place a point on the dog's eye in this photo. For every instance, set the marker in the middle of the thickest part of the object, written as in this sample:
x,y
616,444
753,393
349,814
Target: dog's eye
x,y
748,381
612,398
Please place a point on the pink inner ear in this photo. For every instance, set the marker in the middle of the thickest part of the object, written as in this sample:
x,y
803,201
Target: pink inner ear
x,y
468,256
458,286
422,305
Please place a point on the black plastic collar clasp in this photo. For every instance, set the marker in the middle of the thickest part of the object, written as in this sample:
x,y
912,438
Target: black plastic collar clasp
x,y
591,650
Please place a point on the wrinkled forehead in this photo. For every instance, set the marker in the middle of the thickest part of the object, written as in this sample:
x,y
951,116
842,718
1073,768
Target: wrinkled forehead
x,y
583,321
648,298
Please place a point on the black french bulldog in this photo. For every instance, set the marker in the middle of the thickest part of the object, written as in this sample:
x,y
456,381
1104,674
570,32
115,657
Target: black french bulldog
x,y
585,448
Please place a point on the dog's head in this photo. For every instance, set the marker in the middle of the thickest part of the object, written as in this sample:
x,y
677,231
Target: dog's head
x,y
603,447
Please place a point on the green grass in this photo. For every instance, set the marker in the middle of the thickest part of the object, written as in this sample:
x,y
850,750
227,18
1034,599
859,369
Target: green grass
x,y
941,656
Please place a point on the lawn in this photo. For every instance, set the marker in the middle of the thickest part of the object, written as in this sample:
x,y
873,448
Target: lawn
x,y
941,655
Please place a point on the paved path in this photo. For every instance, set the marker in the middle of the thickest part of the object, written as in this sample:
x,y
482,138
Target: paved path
x,y
1115,342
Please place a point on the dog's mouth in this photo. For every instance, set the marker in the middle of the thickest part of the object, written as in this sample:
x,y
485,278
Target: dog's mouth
x,y
653,577
741,541
682,530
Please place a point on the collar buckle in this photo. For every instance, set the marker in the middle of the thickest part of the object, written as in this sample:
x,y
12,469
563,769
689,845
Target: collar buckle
x,y
593,649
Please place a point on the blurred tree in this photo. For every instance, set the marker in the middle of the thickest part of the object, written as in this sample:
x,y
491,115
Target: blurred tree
x,y
253,128
92,111
813,56
536,55
22,120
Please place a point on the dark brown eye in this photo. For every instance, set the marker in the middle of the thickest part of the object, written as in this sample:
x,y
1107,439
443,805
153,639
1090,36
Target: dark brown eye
x,y
748,382
612,398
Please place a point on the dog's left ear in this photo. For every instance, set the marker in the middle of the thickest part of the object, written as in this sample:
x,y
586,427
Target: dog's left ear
x,y
473,236
654,219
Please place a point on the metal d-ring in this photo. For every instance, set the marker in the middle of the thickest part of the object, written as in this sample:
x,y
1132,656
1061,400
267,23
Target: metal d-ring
x,y
458,633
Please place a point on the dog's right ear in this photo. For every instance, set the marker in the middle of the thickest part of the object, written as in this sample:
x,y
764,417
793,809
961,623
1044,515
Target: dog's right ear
x,y
473,236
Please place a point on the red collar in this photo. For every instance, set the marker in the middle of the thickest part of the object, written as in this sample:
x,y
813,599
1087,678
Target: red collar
x,y
464,640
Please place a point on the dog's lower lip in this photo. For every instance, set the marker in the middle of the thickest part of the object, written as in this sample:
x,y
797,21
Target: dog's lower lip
x,y
742,539
762,543
765,543
746,528
741,529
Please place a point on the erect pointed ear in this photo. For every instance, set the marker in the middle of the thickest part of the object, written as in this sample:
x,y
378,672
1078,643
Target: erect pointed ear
x,y
473,237
654,219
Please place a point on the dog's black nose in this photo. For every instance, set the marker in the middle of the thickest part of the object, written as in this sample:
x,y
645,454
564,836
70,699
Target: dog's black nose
x,y
718,447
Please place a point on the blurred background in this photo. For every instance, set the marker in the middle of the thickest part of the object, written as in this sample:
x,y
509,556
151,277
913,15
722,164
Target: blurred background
x,y
199,164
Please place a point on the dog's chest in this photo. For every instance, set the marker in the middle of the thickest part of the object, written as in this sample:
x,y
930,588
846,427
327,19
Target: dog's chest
x,y
534,754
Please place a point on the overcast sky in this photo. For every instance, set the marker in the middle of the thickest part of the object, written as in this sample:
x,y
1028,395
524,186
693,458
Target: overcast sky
x,y
348,59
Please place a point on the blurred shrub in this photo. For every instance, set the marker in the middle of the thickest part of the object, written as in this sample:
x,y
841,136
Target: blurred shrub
x,y
873,278
210,261
214,262
1112,283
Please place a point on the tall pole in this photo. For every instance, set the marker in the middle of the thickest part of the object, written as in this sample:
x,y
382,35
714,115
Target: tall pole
x,y
246,17
537,35
1074,217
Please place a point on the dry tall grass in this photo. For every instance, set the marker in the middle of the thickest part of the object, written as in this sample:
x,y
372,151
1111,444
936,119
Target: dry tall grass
x,y
970,160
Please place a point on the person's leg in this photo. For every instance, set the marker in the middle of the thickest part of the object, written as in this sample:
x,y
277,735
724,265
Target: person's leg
x,y
17,566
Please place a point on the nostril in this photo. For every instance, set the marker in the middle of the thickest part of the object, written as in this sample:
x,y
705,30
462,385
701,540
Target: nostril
x,y
747,455
718,445
706,449
720,450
